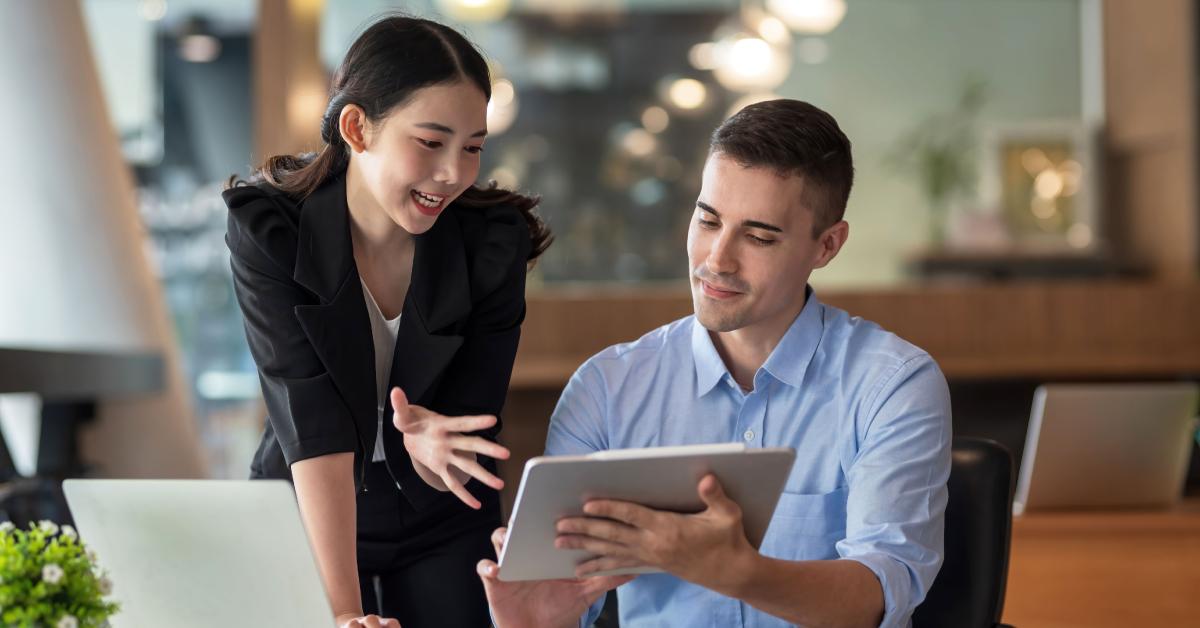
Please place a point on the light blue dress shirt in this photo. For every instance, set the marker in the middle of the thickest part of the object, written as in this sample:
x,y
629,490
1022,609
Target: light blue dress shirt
x,y
868,415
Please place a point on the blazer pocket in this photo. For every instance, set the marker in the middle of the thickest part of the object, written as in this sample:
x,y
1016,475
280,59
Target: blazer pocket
x,y
807,526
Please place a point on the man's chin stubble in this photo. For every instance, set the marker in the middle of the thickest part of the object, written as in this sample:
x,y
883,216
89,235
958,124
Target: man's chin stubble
x,y
715,322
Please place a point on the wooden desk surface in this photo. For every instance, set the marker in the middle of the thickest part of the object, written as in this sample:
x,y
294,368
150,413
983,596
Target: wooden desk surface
x,y
1097,569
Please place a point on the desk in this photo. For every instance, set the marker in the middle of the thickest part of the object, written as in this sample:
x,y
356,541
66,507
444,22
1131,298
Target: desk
x,y
1096,569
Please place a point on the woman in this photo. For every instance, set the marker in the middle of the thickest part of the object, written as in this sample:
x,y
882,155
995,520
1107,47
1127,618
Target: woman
x,y
372,275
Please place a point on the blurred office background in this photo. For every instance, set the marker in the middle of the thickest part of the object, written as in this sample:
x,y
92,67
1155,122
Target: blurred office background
x,y
1025,205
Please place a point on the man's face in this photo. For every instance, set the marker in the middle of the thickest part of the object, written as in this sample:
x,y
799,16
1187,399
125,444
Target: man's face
x,y
751,247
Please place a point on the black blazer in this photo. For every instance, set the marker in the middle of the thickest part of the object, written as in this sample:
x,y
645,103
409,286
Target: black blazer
x,y
309,333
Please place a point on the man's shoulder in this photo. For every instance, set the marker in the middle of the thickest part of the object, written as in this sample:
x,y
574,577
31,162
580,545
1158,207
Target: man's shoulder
x,y
864,344
659,345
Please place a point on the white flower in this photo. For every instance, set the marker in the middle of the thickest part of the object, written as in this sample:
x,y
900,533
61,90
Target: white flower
x,y
70,532
47,526
7,527
91,554
105,586
52,574
67,621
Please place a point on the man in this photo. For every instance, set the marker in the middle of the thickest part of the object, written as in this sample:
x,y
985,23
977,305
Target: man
x,y
856,538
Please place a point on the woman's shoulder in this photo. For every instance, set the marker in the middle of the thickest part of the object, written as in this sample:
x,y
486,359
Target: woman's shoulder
x,y
258,196
264,216
497,242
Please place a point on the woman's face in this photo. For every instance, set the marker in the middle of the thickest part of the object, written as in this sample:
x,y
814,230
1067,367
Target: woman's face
x,y
425,153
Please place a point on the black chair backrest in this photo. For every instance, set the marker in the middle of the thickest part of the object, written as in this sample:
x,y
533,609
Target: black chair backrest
x,y
969,590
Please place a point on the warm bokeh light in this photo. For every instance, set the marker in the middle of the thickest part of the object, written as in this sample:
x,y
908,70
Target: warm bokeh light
x,y
687,93
502,108
809,16
749,64
503,92
655,119
1072,176
701,56
1079,236
306,102
773,30
639,142
1043,209
504,177
1033,160
475,10
1048,184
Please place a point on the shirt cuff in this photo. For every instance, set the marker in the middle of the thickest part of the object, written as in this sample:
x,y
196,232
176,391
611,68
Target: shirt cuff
x,y
894,580
593,612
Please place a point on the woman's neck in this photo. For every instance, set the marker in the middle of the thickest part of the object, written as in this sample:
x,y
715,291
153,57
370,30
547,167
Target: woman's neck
x,y
372,230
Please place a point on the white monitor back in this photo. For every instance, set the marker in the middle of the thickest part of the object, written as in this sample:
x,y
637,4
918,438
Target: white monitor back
x,y
1107,445
201,553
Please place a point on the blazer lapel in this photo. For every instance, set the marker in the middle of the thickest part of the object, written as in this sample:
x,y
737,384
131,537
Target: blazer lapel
x,y
438,301
338,327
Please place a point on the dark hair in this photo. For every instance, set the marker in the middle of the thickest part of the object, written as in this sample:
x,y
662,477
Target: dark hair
x,y
392,59
793,138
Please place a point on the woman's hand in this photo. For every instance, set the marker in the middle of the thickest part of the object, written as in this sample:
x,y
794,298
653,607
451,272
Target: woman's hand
x,y
353,620
441,454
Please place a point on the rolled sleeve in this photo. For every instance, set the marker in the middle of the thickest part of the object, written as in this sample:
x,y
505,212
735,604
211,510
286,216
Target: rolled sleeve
x,y
895,512
308,417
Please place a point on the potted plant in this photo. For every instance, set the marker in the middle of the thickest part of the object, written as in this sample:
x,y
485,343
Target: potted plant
x,y
49,578
941,152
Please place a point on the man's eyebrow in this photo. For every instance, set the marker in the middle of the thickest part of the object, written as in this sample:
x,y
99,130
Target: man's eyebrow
x,y
755,224
434,126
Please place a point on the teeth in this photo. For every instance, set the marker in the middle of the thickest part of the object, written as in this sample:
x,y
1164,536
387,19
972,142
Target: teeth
x,y
427,200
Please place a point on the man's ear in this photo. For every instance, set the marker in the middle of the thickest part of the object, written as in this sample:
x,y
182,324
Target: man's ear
x,y
830,242
352,124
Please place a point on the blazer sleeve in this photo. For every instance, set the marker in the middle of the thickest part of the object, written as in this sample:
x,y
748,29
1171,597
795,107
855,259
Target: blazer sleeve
x,y
305,409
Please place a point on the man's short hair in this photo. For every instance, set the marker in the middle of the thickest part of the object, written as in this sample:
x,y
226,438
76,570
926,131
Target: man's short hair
x,y
793,138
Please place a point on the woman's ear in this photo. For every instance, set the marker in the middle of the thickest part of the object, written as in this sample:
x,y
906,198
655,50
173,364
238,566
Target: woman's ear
x,y
352,124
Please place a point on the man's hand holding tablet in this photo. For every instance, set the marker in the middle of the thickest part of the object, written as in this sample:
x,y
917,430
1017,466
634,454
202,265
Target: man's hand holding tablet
x,y
583,524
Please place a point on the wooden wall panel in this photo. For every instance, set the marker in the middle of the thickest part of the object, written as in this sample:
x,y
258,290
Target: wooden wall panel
x,y
1073,330
1150,73
290,84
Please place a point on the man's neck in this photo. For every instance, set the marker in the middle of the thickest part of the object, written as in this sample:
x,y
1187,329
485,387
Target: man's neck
x,y
745,350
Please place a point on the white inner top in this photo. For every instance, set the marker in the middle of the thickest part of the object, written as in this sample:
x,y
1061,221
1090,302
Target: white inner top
x,y
383,332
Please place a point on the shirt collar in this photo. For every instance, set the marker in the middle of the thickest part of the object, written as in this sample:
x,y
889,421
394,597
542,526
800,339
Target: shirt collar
x,y
787,362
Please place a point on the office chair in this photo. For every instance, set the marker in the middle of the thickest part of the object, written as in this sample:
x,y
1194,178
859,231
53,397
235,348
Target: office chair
x,y
969,590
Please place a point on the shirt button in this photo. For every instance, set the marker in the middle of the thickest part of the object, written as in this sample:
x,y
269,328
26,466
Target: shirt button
x,y
749,435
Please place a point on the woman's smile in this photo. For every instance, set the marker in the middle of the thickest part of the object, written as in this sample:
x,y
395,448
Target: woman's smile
x,y
428,204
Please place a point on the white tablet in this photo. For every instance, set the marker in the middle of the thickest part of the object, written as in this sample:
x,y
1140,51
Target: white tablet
x,y
664,478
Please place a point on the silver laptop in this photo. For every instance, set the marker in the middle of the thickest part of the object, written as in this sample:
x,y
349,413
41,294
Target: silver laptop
x,y
1107,445
201,553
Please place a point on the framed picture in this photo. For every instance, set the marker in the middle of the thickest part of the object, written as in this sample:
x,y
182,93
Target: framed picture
x,y
1040,178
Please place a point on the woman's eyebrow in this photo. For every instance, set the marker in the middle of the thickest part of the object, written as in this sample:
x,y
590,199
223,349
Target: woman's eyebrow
x,y
434,126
